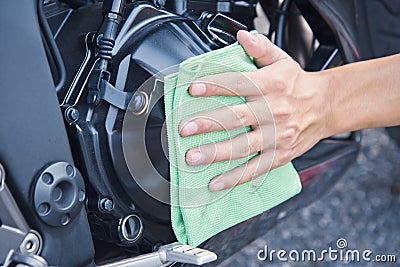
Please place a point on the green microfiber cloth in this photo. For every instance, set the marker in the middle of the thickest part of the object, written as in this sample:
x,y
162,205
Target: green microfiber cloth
x,y
197,213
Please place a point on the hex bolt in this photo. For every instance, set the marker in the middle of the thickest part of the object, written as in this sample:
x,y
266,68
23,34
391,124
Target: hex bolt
x,y
98,39
71,114
106,204
29,246
32,243
139,103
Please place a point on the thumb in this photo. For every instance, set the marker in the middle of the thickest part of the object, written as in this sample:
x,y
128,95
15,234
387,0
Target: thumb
x,y
260,48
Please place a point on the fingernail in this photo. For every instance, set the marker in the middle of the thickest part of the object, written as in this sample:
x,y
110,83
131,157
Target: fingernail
x,y
189,129
217,186
253,37
198,89
196,158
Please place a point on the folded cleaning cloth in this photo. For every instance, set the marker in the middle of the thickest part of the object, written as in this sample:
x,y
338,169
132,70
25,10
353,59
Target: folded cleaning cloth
x,y
197,213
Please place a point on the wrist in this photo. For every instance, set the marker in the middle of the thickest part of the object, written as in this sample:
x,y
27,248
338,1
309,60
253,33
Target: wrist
x,y
329,95
320,84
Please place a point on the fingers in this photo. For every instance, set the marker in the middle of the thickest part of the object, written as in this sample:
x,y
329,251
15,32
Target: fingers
x,y
252,169
260,48
250,83
240,146
227,118
228,83
255,86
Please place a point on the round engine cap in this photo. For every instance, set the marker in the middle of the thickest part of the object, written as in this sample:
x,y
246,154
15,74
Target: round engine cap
x,y
59,193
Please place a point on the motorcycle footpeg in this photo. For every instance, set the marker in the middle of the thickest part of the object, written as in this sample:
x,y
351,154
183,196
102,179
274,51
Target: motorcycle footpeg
x,y
177,252
168,254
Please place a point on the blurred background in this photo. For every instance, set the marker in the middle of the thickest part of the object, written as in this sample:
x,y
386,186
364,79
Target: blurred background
x,y
363,208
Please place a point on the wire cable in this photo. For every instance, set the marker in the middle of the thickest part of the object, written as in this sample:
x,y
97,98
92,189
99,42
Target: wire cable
x,y
282,23
52,46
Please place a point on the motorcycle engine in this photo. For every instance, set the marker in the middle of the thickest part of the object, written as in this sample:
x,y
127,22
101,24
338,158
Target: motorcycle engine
x,y
120,153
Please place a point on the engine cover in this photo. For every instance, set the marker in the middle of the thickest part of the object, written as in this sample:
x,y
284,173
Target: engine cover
x,y
120,153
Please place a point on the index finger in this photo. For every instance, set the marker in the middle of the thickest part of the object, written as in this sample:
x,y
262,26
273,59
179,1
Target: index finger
x,y
228,83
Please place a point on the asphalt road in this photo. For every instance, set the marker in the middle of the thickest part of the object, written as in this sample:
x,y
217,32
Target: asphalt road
x,y
363,208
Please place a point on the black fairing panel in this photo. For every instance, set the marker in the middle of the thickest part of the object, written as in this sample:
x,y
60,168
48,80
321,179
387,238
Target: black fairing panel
x,y
365,29
333,21
32,133
378,27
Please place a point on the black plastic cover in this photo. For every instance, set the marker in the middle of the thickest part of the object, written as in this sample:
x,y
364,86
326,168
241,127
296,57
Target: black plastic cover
x,y
32,132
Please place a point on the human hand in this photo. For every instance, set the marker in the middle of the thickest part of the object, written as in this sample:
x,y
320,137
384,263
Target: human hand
x,y
286,107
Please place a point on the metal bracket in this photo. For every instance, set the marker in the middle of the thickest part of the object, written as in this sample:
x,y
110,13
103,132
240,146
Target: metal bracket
x,y
135,102
168,254
115,97
13,226
10,213
15,259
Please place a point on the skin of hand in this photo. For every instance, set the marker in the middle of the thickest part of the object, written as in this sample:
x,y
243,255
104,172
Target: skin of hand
x,y
289,109
284,106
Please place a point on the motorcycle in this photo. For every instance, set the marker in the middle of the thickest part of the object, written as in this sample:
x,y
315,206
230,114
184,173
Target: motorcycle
x,y
72,74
